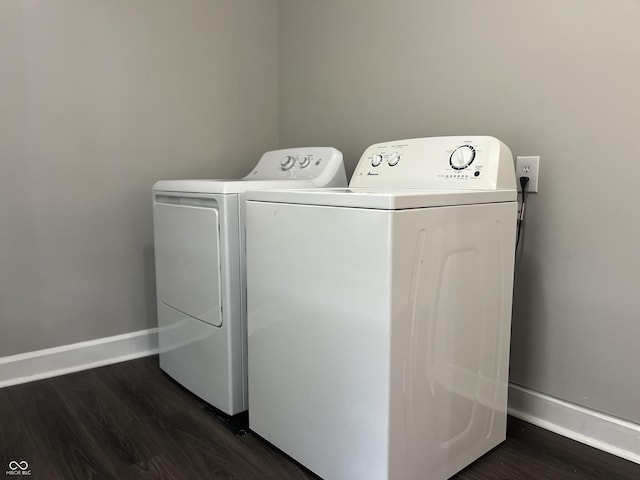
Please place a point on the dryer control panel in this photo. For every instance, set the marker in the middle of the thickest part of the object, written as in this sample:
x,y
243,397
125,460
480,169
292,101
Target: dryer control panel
x,y
305,167
440,163
297,163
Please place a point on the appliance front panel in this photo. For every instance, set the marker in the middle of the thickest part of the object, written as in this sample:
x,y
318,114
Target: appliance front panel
x,y
196,355
187,249
318,305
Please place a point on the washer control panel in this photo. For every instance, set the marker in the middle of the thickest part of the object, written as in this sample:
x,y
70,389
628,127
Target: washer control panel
x,y
292,163
443,163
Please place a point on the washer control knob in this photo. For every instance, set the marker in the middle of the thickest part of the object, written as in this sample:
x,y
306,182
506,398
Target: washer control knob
x,y
394,159
288,162
462,157
305,161
377,160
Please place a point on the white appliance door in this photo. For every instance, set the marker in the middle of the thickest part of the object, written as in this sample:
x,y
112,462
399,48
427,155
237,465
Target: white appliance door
x,y
187,249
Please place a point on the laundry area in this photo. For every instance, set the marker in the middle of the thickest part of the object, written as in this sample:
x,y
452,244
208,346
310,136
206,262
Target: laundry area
x,y
342,240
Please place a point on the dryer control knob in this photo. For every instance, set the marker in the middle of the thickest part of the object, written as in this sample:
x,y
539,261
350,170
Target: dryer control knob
x,y
393,160
462,157
377,160
288,162
305,162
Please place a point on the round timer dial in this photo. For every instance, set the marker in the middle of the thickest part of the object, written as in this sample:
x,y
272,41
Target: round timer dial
x,y
462,157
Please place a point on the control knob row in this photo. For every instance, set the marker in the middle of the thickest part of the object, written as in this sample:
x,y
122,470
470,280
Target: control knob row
x,y
378,158
289,161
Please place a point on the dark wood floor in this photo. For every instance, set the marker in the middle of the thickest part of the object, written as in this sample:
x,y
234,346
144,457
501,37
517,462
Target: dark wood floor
x,y
131,421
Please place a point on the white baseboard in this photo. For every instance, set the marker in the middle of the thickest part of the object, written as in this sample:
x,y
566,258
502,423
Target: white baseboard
x,y
51,362
604,432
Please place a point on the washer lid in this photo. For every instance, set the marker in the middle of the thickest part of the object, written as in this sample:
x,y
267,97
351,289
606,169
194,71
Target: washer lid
x,y
382,199
227,186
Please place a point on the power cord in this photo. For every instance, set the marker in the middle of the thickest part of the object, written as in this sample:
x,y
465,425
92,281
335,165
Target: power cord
x,y
524,181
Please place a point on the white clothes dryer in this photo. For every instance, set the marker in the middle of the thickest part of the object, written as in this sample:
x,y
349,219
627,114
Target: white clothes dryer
x,y
199,237
379,315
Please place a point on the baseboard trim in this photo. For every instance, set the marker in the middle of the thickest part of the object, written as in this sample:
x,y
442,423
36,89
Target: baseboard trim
x,y
604,432
51,362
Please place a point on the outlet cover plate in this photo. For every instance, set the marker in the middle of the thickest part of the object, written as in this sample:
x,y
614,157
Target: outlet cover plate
x,y
528,167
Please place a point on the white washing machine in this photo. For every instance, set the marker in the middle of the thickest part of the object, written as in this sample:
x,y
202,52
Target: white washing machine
x,y
379,315
199,238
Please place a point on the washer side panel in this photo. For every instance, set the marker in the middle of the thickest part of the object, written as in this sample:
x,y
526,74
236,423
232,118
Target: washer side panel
x,y
452,290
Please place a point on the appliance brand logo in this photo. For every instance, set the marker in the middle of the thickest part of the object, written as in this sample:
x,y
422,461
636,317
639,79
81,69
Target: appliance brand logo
x,y
373,174
16,467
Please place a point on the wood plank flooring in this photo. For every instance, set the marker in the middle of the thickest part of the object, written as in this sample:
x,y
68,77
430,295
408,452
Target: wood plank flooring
x,y
131,421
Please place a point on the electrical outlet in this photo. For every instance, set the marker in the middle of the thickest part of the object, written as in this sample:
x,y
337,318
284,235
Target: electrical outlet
x,y
528,167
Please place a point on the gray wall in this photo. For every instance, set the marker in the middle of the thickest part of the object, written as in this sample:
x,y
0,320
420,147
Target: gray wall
x,y
555,79
98,100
